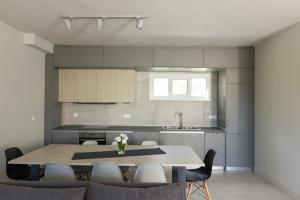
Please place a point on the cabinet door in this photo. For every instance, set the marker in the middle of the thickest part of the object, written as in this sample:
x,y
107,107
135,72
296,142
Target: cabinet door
x,y
68,84
196,142
228,57
170,139
239,150
139,137
87,82
240,109
216,141
240,76
111,136
106,85
178,57
65,137
78,56
128,57
125,85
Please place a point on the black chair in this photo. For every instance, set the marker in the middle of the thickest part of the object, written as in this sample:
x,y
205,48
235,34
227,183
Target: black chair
x,y
16,172
202,174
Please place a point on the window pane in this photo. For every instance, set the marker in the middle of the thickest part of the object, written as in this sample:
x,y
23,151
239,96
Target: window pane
x,y
199,87
160,87
179,87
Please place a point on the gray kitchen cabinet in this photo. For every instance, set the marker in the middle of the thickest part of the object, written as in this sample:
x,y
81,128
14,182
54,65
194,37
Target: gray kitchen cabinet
x,y
178,57
240,108
228,57
239,150
139,137
128,57
110,136
240,76
170,139
216,141
196,142
65,137
78,56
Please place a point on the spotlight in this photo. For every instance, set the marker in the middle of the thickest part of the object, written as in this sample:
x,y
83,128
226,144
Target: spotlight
x,y
100,23
68,24
139,23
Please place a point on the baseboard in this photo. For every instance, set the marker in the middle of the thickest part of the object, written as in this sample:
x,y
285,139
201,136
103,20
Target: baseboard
x,y
277,184
239,169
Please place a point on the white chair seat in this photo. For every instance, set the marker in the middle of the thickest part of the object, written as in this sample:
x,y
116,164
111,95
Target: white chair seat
x,y
150,173
59,172
106,173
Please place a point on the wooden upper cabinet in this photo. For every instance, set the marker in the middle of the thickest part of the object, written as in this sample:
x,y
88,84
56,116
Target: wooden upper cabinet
x,y
106,85
87,86
97,85
228,57
68,84
125,85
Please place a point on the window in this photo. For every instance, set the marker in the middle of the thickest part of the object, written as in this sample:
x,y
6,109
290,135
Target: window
x,y
179,86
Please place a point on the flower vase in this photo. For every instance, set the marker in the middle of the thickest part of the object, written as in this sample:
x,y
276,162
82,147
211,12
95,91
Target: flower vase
x,y
121,148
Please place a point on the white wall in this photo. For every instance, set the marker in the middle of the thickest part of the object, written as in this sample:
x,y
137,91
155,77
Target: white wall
x,y
277,107
22,80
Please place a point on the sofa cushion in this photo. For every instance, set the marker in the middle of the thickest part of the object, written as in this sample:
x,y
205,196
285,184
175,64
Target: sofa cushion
x,y
13,192
107,192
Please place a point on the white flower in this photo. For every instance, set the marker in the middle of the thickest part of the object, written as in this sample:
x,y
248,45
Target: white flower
x,y
124,141
118,139
122,135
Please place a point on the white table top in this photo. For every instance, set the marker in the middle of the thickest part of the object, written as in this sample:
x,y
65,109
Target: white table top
x,y
176,156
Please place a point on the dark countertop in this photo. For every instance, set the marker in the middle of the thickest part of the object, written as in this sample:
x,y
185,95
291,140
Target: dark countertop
x,y
123,128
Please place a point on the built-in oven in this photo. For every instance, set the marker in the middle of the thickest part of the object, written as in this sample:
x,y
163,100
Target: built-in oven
x,y
100,138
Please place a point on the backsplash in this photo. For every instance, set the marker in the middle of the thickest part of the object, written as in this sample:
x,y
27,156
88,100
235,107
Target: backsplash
x,y
144,111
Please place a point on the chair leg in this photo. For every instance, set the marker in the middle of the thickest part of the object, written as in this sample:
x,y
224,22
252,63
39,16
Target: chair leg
x,y
206,191
190,186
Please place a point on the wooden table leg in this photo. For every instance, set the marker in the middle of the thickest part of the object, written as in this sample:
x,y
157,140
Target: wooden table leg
x,y
178,176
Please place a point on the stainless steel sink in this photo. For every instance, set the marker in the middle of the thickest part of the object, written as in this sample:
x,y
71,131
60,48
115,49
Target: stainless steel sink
x,y
181,128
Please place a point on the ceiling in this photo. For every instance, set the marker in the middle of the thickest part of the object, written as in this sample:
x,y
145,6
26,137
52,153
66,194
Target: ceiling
x,y
170,22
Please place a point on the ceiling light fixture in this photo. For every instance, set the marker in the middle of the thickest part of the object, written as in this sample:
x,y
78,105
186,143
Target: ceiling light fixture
x,y
68,24
100,23
139,23
100,19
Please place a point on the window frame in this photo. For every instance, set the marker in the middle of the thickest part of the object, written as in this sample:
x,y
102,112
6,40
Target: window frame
x,y
179,76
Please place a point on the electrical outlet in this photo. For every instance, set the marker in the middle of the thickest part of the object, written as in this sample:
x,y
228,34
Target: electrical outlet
x,y
75,115
126,116
212,117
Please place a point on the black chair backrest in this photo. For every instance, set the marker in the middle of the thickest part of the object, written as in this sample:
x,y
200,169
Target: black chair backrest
x,y
209,160
17,172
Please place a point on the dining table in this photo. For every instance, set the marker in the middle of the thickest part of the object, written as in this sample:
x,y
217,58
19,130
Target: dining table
x,y
178,157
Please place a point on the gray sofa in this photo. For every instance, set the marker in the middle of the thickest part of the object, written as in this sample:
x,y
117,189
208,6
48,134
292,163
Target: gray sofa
x,y
39,190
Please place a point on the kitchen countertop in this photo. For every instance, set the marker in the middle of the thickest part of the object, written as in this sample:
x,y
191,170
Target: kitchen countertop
x,y
83,128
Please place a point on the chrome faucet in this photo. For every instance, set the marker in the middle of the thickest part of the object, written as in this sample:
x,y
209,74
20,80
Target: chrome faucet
x,y
180,123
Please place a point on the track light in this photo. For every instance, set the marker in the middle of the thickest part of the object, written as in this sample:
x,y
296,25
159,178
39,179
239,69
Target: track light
x,y
139,23
68,24
100,23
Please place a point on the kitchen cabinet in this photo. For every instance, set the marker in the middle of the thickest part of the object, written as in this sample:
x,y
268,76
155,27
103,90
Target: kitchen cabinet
x,y
60,137
239,150
128,57
240,108
240,76
68,85
87,86
178,57
228,57
78,56
170,139
110,136
139,137
106,84
196,142
97,85
216,141
125,85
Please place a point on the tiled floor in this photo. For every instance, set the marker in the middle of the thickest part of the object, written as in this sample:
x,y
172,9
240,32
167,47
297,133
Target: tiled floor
x,y
240,186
